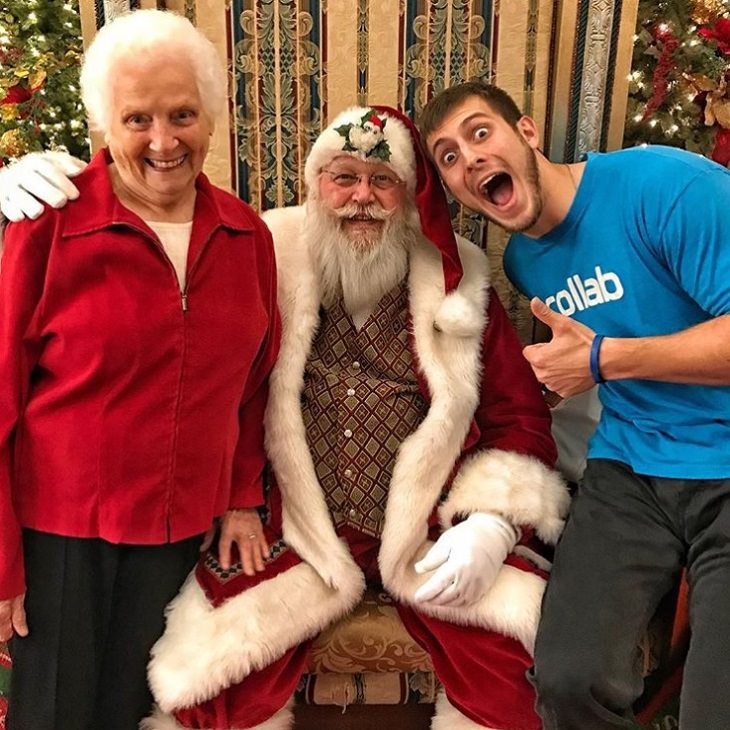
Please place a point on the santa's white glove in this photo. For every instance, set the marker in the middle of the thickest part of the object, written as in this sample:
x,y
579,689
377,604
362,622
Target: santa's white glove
x,y
37,178
466,560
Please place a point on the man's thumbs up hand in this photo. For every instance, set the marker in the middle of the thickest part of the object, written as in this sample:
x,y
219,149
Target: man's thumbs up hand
x,y
562,364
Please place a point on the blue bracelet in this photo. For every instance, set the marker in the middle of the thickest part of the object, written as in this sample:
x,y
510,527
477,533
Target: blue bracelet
x,y
593,362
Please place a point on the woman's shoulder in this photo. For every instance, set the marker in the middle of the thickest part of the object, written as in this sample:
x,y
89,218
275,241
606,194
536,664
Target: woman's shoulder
x,y
232,210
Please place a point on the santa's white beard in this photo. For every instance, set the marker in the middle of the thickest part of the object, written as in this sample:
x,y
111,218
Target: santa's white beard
x,y
360,269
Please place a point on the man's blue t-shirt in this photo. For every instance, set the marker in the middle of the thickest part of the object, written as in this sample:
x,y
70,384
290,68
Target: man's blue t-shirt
x,y
643,251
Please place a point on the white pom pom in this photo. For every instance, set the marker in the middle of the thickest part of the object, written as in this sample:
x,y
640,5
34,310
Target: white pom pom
x,y
459,317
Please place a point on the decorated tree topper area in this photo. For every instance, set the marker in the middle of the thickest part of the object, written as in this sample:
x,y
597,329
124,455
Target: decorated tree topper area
x,y
678,87
40,56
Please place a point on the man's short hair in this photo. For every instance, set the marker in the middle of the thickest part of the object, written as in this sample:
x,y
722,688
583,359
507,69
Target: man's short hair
x,y
440,106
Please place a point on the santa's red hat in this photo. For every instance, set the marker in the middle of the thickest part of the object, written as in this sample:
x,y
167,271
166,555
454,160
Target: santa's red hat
x,y
386,135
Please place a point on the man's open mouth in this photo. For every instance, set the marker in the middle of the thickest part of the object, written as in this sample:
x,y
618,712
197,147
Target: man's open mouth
x,y
497,189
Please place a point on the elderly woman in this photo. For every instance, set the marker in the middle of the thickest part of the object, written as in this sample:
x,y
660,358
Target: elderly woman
x,y
137,330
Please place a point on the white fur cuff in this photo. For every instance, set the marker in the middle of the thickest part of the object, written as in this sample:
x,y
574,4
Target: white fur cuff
x,y
516,486
205,649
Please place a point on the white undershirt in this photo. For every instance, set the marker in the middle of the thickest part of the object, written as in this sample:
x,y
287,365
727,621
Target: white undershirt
x,y
175,239
360,316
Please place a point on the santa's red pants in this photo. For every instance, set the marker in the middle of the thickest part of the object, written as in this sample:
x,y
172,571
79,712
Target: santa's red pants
x,y
483,672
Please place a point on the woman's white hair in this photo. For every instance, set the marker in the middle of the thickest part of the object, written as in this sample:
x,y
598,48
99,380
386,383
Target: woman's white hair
x,y
149,32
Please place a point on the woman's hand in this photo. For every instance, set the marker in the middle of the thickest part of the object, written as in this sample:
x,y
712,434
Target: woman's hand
x,y
243,526
12,617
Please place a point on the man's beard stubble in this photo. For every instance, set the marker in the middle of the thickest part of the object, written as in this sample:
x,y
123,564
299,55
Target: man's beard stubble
x,y
534,187
359,267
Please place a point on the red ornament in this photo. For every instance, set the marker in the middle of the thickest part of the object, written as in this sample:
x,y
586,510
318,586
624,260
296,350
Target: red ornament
x,y
660,82
720,33
16,95
721,151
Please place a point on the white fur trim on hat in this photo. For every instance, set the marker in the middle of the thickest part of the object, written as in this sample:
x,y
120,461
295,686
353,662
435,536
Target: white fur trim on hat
x,y
364,140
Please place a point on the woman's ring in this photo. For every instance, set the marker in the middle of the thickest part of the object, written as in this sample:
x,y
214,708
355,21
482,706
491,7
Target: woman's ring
x,y
252,536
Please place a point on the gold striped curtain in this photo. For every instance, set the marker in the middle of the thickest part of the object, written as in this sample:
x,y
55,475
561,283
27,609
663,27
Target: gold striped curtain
x,y
294,64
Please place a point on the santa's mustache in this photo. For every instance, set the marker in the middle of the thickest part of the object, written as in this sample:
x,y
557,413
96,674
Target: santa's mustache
x,y
372,211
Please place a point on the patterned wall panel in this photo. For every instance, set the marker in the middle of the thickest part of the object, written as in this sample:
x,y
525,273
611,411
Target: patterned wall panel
x,y
594,40
279,79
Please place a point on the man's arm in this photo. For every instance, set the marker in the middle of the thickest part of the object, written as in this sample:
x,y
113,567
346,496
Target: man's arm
x,y
699,355
37,178
22,277
241,523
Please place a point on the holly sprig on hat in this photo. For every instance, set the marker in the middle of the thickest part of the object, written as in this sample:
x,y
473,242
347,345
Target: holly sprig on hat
x,y
366,136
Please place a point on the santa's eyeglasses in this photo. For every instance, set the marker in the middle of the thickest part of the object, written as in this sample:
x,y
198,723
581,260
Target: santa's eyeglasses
x,y
380,180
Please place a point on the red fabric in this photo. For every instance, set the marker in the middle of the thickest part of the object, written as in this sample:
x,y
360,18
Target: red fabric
x,y
219,589
253,700
121,416
483,672
512,414
433,208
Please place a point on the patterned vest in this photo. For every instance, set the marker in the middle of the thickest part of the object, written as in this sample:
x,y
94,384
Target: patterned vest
x,y
360,401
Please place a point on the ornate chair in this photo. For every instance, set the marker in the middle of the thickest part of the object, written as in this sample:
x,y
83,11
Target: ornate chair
x,y
367,672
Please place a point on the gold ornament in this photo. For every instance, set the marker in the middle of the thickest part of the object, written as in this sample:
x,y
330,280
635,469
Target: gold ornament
x,y
8,112
700,82
707,11
717,108
12,144
36,79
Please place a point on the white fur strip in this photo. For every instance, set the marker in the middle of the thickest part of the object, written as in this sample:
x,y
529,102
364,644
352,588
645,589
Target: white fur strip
x,y
447,717
282,720
520,488
206,649
451,366
307,523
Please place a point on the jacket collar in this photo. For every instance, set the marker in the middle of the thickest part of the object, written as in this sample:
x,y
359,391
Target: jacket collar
x,y
98,207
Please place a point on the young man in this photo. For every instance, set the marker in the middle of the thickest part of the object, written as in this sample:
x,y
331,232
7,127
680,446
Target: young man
x,y
409,444
627,259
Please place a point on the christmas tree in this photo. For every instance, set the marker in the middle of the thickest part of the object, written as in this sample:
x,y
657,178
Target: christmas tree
x,y
40,55
678,87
